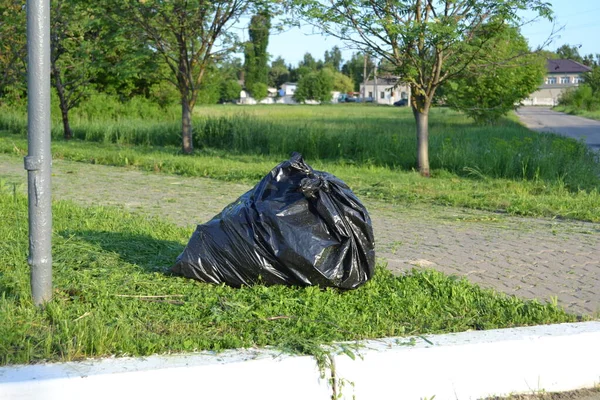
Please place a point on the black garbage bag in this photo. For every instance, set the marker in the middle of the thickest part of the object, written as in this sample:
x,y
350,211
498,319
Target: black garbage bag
x,y
297,226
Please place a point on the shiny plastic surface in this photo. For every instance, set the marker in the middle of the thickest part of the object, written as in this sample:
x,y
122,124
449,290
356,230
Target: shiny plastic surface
x,y
297,226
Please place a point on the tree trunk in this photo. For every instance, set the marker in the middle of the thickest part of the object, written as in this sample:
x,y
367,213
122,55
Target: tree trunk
x,y
64,107
65,119
186,126
422,119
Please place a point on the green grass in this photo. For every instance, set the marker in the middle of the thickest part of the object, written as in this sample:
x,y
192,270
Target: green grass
x,y
578,111
356,134
535,197
106,260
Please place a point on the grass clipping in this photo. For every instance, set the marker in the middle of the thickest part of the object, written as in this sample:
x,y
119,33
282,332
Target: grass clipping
x,y
112,297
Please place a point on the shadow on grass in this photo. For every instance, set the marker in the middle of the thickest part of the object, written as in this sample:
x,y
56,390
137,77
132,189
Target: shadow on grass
x,y
147,252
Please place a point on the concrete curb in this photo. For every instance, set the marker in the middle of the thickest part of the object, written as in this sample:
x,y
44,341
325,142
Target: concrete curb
x,y
468,365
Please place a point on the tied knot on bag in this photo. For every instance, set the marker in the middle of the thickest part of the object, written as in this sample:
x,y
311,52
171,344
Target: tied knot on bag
x,y
313,184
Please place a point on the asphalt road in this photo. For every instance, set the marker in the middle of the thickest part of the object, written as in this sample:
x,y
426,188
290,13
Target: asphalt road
x,y
543,119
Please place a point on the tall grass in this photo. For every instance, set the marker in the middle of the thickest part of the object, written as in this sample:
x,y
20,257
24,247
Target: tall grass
x,y
520,197
578,111
380,136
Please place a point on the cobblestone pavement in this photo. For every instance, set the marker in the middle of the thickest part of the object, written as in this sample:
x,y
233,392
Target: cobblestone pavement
x,y
527,257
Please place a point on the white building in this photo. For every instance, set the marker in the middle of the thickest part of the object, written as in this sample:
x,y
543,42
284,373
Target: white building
x,y
561,75
246,98
385,90
285,95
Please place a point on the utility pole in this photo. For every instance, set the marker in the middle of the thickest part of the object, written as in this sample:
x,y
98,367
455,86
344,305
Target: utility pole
x,y
364,93
376,94
38,162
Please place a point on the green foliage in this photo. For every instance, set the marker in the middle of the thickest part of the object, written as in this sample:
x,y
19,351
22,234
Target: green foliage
x,y
259,90
591,60
586,97
75,46
532,194
333,58
582,98
112,297
578,111
13,51
315,85
209,91
504,74
542,173
187,36
427,45
278,73
124,65
342,83
426,42
230,90
309,62
164,94
256,57
227,73
592,79
569,52
354,68
175,28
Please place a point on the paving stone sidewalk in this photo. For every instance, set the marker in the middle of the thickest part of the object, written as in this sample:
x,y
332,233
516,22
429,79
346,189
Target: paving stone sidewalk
x,y
527,257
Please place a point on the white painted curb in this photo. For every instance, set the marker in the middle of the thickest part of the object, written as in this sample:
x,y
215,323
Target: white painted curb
x,y
461,366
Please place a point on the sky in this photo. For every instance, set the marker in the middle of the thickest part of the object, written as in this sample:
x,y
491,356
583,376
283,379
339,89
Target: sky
x,y
577,22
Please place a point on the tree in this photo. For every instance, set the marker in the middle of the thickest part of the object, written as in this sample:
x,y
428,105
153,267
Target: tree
x,y
230,91
591,60
354,68
74,43
125,66
261,90
13,50
230,72
569,52
315,85
278,73
187,35
309,62
256,57
341,82
428,41
592,79
231,68
503,75
333,58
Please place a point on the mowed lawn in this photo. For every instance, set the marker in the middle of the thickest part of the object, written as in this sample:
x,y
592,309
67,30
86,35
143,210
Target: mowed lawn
x,y
113,295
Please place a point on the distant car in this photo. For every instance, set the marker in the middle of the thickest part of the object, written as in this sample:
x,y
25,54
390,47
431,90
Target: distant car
x,y
352,97
401,103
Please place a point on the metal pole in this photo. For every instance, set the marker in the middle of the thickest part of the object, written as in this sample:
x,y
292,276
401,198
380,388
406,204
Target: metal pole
x,y
38,162
364,93
376,98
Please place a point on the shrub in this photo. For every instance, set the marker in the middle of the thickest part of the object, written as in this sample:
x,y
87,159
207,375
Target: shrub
x,y
581,98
